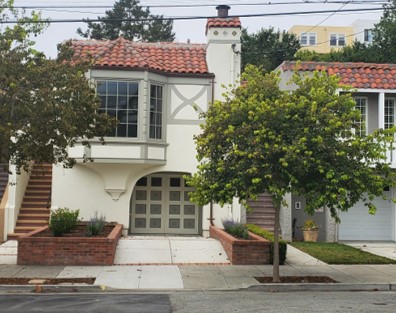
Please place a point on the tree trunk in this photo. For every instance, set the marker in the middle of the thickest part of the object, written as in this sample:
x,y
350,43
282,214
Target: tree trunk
x,y
275,265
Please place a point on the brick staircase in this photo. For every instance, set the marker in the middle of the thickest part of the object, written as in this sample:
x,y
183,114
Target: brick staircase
x,y
263,212
35,210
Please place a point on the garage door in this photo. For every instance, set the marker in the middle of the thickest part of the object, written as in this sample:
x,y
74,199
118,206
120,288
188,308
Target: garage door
x,y
160,205
358,224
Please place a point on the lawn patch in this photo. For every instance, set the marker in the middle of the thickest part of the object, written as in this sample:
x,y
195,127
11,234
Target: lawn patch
x,y
337,253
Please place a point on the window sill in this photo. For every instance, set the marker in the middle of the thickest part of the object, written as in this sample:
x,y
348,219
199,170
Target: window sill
x,y
121,151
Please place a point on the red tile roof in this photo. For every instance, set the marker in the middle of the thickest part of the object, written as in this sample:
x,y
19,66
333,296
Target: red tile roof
x,y
357,75
223,22
174,58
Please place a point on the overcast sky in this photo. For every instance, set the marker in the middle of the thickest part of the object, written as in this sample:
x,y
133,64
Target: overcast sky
x,y
195,29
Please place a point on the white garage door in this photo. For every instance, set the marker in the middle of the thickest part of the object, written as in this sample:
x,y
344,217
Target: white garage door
x,y
358,224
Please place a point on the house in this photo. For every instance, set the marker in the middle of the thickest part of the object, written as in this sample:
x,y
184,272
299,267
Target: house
x,y
323,39
157,92
375,95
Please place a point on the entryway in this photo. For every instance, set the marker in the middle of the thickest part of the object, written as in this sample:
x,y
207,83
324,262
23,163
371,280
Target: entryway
x,y
160,204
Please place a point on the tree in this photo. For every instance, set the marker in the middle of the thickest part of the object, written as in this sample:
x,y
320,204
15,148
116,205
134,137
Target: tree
x,y
261,138
45,105
384,35
268,48
130,20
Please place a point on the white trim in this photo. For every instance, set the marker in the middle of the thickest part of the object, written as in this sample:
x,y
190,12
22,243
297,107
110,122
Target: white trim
x,y
381,110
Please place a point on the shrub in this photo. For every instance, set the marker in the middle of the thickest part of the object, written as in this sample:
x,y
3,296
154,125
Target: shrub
x,y
236,229
62,221
270,236
95,224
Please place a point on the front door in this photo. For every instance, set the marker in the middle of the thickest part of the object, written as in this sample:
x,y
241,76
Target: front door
x,y
160,205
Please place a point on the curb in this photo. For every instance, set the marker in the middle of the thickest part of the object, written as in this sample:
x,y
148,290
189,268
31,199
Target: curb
x,y
9,289
323,287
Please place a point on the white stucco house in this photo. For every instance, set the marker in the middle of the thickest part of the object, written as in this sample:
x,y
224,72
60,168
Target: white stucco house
x,y
156,91
375,95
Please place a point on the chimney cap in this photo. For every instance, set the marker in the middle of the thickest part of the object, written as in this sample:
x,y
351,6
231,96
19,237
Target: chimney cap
x,y
222,10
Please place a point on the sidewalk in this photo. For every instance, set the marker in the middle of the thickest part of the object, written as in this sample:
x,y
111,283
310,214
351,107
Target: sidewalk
x,y
210,277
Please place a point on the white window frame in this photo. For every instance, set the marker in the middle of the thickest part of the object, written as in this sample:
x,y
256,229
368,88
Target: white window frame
x,y
337,40
129,111
308,38
389,117
156,116
363,120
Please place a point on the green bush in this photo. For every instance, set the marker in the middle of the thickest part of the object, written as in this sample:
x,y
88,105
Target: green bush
x,y
96,224
62,221
270,236
236,229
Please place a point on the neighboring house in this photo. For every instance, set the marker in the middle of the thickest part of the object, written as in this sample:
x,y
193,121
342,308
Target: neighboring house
x,y
375,95
323,39
157,92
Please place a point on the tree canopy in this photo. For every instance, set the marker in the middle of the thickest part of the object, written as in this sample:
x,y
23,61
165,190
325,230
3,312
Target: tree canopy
x,y
268,48
45,105
129,20
261,138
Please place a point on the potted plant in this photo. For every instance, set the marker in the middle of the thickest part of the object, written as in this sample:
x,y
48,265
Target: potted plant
x,y
310,231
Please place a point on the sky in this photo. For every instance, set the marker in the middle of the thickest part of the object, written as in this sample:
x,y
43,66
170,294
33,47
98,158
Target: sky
x,y
194,30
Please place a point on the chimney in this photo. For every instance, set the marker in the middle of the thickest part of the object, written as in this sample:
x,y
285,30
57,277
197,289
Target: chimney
x,y
222,11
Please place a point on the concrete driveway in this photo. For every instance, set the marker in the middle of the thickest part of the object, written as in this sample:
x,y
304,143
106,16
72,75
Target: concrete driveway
x,y
386,249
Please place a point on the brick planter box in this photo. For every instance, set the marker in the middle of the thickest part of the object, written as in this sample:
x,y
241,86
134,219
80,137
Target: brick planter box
x,y
242,252
37,249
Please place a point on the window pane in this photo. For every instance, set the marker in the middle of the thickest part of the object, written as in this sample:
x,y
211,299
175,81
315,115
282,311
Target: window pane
x,y
116,98
156,181
121,130
122,88
132,131
142,182
101,87
341,40
333,40
111,88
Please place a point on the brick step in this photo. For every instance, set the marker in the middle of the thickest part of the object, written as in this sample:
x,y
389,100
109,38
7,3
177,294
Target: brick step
x,y
38,188
32,204
31,223
40,180
14,236
24,229
33,216
38,193
34,211
35,199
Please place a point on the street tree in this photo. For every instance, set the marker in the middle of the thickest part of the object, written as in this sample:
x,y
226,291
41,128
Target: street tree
x,y
268,48
262,139
45,105
129,20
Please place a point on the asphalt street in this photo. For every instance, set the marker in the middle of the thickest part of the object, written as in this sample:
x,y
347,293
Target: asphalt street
x,y
202,302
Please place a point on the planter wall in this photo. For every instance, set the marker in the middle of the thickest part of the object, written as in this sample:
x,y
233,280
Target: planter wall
x,y
36,250
242,252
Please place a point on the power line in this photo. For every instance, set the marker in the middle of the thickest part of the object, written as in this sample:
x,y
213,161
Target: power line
x,y
175,18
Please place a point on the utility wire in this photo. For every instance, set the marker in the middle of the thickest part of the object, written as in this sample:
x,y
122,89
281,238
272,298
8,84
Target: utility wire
x,y
192,17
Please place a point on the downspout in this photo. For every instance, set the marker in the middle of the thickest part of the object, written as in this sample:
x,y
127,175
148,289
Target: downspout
x,y
211,219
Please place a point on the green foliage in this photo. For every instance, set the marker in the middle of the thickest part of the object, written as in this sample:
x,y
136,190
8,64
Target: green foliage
x,y
45,105
236,229
96,224
310,224
129,20
268,48
263,139
62,221
270,236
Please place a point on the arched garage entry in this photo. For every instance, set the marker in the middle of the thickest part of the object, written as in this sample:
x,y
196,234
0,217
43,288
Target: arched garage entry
x,y
160,205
